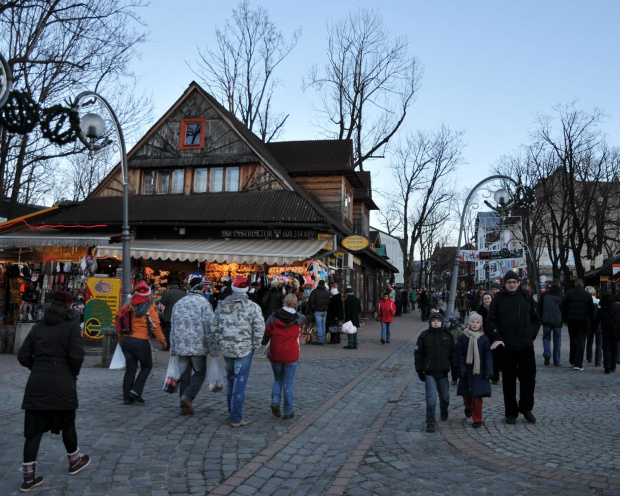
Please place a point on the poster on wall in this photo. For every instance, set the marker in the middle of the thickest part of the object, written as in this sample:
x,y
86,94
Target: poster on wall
x,y
103,296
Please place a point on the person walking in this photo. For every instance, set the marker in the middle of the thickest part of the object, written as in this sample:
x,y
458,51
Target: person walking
x,y
578,313
595,337
352,310
173,294
435,355
606,319
550,310
424,305
238,327
386,310
136,345
514,324
282,333
475,368
335,315
192,339
319,303
462,304
483,310
54,353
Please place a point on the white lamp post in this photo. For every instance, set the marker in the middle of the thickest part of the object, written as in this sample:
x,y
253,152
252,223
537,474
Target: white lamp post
x,y
93,128
6,80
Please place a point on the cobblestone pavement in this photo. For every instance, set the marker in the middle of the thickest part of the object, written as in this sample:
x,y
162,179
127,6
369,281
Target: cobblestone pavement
x,y
358,430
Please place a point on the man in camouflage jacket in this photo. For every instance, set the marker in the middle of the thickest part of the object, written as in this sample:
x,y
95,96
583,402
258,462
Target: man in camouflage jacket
x,y
192,339
239,327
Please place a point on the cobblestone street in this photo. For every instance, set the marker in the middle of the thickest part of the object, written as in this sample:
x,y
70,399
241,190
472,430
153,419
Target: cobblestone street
x,y
358,430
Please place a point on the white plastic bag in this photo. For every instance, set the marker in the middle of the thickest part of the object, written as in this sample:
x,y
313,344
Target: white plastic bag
x,y
349,328
216,379
118,359
267,349
173,374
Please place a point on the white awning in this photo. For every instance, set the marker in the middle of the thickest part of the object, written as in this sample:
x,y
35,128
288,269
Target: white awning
x,y
260,251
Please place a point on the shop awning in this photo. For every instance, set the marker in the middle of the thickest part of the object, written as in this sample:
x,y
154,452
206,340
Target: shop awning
x,y
260,251
57,238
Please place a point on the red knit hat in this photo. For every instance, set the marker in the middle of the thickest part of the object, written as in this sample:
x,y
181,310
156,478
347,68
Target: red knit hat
x,y
62,297
241,284
141,288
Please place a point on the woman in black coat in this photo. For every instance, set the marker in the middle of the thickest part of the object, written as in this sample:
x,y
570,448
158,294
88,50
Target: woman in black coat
x,y
54,353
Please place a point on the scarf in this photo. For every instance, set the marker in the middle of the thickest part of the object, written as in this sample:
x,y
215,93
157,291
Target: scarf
x,y
473,355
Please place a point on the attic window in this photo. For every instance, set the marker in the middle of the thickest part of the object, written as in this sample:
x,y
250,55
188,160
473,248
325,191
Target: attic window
x,y
192,134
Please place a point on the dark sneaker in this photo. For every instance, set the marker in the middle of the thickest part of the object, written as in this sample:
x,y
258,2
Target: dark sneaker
x,y
136,397
77,466
383,341
511,420
288,416
186,407
477,425
347,347
577,368
607,371
430,427
547,360
529,417
275,409
468,412
28,484
444,416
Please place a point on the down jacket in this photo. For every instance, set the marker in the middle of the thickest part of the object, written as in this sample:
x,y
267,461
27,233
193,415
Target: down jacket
x,y
435,353
319,299
513,319
474,385
238,326
54,353
282,331
191,331
386,310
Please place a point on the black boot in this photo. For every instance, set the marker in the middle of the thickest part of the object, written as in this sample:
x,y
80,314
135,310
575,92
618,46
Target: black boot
x,y
30,477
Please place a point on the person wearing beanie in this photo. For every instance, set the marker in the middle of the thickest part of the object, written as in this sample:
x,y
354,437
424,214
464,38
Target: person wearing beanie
x,y
514,324
435,356
238,328
136,346
475,368
335,315
495,288
318,304
386,309
54,353
352,310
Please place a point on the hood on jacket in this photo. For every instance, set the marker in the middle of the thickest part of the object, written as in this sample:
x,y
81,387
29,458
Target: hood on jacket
x,y
54,313
141,308
288,318
228,304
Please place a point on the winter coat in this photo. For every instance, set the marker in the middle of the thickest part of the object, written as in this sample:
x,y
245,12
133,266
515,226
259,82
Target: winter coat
x,y
335,311
484,313
168,300
435,352
474,385
191,332
282,331
238,326
423,299
578,306
54,353
144,317
352,309
271,302
462,303
386,309
607,315
319,300
513,319
550,307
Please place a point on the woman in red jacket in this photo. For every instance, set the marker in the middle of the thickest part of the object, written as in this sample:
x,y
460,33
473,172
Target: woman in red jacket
x,y
282,331
386,310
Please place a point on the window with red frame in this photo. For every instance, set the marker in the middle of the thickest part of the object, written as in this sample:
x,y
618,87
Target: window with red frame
x,y
192,134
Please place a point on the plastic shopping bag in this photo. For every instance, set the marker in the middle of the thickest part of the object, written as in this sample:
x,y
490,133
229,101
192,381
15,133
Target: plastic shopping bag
x,y
349,328
173,374
216,379
267,349
118,359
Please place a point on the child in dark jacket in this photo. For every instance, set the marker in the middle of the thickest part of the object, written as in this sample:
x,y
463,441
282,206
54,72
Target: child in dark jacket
x,y
606,317
475,368
435,355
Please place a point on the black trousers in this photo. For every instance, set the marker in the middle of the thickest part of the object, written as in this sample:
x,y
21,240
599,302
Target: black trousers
x,y
519,365
577,332
610,350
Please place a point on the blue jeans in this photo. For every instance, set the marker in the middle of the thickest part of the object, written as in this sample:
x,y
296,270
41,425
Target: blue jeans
x,y
596,339
136,350
190,384
385,331
432,386
237,373
283,378
557,343
320,318
352,340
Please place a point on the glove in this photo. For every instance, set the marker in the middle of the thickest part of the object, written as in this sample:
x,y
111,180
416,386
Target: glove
x,y
462,374
496,344
422,376
164,345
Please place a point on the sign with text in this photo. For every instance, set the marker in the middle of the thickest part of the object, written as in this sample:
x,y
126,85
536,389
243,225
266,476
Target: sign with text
x,y
103,297
329,240
477,255
355,242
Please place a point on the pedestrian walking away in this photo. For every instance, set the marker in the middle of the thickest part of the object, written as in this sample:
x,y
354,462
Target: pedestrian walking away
x,y
352,310
319,303
606,317
386,310
578,313
54,353
550,308
173,294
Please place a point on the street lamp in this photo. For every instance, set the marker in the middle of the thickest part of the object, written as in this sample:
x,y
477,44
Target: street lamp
x,y
502,198
6,80
93,128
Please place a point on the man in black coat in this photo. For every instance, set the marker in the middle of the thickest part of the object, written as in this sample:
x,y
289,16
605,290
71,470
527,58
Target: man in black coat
x,y
173,294
319,303
514,323
352,310
550,310
578,313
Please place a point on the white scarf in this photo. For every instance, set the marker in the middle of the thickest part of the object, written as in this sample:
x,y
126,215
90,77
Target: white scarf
x,y
473,355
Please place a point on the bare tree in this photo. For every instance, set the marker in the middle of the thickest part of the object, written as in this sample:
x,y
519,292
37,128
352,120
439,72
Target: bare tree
x,y
57,49
367,84
240,70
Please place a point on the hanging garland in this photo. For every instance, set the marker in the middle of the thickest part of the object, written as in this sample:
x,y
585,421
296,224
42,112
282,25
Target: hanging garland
x,y
60,125
20,114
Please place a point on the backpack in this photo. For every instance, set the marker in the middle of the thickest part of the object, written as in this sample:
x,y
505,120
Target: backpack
x,y
123,321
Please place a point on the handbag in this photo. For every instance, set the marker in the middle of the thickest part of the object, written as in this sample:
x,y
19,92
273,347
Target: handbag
x,y
377,317
173,374
118,359
216,379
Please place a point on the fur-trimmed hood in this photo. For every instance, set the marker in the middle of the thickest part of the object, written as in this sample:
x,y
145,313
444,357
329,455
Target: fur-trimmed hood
x,y
55,312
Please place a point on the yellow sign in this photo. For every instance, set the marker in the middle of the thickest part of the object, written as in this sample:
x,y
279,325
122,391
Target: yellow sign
x,y
103,296
355,242
329,240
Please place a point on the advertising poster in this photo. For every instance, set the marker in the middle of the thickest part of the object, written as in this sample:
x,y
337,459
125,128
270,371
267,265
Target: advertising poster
x,y
103,296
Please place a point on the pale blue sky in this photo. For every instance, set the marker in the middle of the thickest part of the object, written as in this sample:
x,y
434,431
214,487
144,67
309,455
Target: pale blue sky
x,y
490,65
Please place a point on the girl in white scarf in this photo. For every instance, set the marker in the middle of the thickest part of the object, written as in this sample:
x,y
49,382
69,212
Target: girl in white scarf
x,y
475,368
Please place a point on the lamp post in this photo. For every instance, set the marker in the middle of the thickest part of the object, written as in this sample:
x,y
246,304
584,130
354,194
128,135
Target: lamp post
x,y
6,80
92,128
501,197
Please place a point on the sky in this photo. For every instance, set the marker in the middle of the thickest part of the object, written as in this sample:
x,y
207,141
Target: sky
x,y
490,66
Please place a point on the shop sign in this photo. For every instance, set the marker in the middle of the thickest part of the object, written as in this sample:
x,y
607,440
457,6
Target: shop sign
x,y
269,233
103,296
329,240
604,278
355,242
